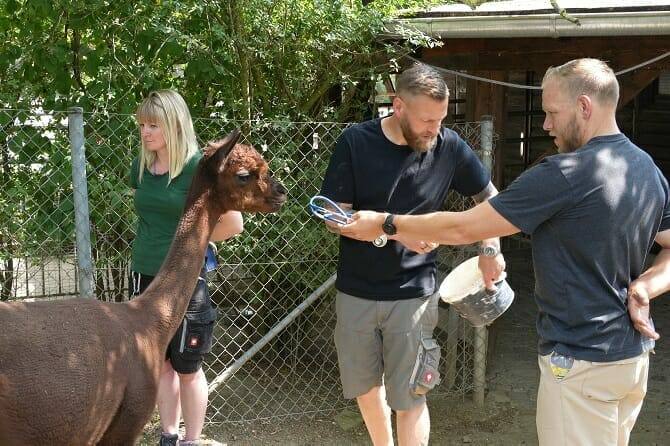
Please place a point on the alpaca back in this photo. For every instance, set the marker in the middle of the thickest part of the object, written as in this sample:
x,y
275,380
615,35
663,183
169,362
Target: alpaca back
x,y
67,361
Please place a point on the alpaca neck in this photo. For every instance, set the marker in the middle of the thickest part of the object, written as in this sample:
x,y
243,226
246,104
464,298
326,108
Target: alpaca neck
x,y
167,298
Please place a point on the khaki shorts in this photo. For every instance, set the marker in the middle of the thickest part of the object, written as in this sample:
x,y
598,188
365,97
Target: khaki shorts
x,y
590,403
378,343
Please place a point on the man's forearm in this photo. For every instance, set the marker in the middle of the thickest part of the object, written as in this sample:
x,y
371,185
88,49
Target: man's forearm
x,y
488,192
445,228
656,279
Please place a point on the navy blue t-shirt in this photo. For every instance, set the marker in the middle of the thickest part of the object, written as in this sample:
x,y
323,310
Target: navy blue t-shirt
x,y
593,215
372,173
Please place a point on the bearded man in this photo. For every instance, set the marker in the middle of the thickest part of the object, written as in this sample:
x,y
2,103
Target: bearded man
x,y
593,212
386,300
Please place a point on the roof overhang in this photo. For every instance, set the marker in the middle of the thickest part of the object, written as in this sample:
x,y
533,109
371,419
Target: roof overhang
x,y
611,24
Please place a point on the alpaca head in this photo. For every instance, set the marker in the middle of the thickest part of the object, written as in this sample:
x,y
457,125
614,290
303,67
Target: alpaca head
x,y
242,177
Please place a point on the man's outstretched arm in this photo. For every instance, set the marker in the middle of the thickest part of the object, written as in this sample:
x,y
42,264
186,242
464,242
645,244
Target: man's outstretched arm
x,y
446,228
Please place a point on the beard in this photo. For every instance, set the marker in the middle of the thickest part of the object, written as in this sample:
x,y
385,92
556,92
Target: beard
x,y
417,142
571,138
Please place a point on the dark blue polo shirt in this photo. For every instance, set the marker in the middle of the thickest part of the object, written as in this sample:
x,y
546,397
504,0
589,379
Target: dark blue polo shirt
x,y
593,215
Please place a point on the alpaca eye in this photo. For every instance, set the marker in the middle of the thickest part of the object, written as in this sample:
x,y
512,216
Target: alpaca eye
x,y
243,177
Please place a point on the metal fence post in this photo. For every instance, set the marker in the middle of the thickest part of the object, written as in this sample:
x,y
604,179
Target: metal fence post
x,y
481,335
80,193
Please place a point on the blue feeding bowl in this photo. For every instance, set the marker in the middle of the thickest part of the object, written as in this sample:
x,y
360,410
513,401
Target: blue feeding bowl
x,y
464,289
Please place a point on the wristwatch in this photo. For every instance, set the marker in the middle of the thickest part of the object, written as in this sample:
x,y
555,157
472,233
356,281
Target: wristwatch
x,y
489,251
388,227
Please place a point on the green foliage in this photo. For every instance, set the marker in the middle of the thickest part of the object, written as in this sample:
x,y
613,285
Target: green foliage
x,y
250,60
296,59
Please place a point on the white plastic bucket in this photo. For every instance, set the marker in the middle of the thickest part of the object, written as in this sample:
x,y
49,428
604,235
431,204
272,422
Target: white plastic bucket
x,y
464,289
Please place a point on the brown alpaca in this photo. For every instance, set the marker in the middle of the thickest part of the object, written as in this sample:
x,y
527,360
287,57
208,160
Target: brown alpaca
x,y
84,372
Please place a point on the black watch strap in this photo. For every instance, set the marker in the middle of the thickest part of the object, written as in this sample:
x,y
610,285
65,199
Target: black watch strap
x,y
388,227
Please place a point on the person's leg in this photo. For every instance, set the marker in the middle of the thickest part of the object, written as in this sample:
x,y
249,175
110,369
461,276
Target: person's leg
x,y
630,406
186,351
413,425
584,407
168,399
407,330
567,416
359,353
377,416
193,391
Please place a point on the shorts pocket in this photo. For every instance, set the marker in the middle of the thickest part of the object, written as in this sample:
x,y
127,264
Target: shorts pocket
x,y
425,374
196,334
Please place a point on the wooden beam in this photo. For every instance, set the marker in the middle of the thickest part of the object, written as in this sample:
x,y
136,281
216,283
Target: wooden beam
x,y
538,54
489,99
539,45
539,62
630,84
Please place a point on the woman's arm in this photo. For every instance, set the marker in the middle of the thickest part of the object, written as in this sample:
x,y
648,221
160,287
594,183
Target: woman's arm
x,y
230,224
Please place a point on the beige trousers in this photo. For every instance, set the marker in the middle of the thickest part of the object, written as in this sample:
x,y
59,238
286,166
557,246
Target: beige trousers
x,y
596,403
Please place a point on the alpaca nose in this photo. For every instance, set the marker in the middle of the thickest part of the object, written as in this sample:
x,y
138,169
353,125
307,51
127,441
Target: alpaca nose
x,y
280,189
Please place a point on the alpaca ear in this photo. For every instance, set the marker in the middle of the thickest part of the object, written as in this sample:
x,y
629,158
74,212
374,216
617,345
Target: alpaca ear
x,y
217,151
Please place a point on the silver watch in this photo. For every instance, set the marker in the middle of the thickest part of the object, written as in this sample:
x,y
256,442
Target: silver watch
x,y
489,251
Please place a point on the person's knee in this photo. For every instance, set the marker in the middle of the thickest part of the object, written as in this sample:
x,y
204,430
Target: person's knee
x,y
414,412
191,377
371,395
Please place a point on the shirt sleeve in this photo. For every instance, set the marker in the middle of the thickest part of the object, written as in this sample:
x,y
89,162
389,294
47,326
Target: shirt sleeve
x,y
338,182
534,197
470,177
665,220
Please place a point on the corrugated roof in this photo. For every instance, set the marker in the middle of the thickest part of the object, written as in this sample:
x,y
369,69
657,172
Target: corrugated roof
x,y
544,6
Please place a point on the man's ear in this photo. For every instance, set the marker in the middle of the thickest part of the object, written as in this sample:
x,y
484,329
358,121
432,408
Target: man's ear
x,y
584,106
398,105
217,151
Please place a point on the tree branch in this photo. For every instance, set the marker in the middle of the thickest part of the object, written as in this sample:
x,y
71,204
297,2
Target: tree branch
x,y
563,13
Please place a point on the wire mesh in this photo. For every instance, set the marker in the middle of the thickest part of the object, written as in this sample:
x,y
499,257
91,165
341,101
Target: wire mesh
x,y
263,274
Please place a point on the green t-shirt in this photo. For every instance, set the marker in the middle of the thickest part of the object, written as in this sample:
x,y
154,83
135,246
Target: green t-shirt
x,y
159,207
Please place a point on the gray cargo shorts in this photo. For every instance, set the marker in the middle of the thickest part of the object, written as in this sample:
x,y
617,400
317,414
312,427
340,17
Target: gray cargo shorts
x,y
378,342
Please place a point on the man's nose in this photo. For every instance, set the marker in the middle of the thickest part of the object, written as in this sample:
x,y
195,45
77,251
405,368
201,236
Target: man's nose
x,y
546,125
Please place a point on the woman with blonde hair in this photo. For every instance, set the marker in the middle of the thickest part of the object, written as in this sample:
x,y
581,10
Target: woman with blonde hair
x,y
160,177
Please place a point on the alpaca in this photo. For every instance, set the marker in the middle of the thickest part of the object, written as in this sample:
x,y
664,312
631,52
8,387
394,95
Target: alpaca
x,y
84,372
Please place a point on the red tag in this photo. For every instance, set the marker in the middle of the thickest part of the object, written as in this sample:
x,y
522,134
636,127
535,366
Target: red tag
x,y
429,377
193,342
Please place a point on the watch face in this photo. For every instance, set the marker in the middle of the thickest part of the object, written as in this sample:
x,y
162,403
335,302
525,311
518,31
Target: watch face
x,y
489,251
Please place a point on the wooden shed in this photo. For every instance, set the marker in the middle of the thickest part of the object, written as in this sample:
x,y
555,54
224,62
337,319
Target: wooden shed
x,y
516,41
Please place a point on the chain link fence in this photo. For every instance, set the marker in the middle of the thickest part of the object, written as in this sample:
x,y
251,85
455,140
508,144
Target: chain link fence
x,y
264,273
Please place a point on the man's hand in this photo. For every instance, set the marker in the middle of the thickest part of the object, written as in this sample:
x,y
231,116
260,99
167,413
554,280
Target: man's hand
x,y
364,225
332,226
493,270
418,246
638,310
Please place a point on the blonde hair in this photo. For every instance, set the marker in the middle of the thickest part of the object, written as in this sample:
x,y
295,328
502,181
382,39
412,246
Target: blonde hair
x,y
169,110
590,77
422,79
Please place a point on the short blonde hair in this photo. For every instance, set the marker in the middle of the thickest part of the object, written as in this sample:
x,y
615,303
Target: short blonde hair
x,y
422,79
169,110
590,77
